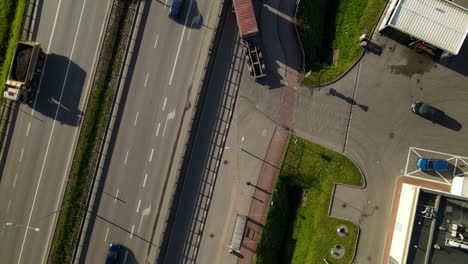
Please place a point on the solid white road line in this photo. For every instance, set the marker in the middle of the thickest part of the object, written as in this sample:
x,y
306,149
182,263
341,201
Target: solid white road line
x,y
131,233
27,130
136,119
55,116
126,156
107,233
116,196
157,130
144,181
164,104
138,206
180,42
21,155
151,155
156,41
146,79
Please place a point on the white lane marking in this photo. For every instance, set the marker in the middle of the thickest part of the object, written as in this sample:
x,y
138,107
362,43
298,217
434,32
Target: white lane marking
x,y
151,155
116,196
9,203
21,155
126,156
180,42
136,118
55,117
138,206
157,130
146,79
107,233
170,116
14,181
145,213
81,106
195,19
126,254
144,181
164,104
156,41
165,5
131,233
27,130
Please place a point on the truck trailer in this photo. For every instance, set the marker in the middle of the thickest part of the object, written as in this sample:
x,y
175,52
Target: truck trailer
x,y
23,73
250,37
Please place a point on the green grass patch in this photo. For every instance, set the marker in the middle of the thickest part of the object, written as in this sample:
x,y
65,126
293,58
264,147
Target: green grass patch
x,y
297,228
11,19
328,27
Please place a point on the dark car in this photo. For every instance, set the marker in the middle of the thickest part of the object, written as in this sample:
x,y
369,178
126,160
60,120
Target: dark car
x,y
113,254
433,165
175,9
427,111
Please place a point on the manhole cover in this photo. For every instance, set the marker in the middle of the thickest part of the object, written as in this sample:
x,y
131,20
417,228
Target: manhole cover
x,y
337,251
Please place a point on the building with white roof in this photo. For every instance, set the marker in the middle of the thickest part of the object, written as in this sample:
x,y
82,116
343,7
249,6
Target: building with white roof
x,y
440,23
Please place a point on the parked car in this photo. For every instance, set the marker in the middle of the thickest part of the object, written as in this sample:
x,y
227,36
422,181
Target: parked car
x,y
433,165
113,253
175,8
427,111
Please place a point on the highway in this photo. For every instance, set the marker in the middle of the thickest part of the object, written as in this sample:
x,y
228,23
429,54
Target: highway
x,y
148,121
41,145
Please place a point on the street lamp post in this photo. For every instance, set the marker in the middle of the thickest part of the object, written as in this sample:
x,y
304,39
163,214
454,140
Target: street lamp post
x,y
28,227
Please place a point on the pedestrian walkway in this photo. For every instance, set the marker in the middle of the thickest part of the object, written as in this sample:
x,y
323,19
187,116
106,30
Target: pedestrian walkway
x,y
263,189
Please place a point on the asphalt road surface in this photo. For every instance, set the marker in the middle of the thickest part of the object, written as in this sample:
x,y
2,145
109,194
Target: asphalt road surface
x,y
40,147
145,134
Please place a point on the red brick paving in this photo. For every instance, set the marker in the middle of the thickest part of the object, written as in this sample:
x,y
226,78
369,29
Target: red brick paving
x,y
396,200
265,181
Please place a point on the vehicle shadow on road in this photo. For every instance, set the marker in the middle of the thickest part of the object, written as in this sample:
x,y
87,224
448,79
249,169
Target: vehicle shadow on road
x,y
450,123
56,97
14,108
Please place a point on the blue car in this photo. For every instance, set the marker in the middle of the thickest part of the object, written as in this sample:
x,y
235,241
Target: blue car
x,y
113,254
175,9
433,165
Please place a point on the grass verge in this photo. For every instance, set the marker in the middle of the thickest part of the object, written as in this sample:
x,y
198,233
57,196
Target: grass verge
x,y
11,17
330,31
92,131
297,228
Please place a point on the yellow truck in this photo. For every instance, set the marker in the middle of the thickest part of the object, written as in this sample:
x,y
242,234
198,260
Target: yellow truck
x,y
24,71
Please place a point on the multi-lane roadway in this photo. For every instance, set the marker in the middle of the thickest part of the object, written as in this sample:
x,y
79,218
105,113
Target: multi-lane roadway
x,y
144,139
45,132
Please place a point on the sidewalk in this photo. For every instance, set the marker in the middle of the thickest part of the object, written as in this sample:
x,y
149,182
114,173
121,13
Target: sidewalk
x,y
263,189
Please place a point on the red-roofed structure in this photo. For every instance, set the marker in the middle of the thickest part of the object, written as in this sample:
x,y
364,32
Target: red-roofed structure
x,y
245,17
